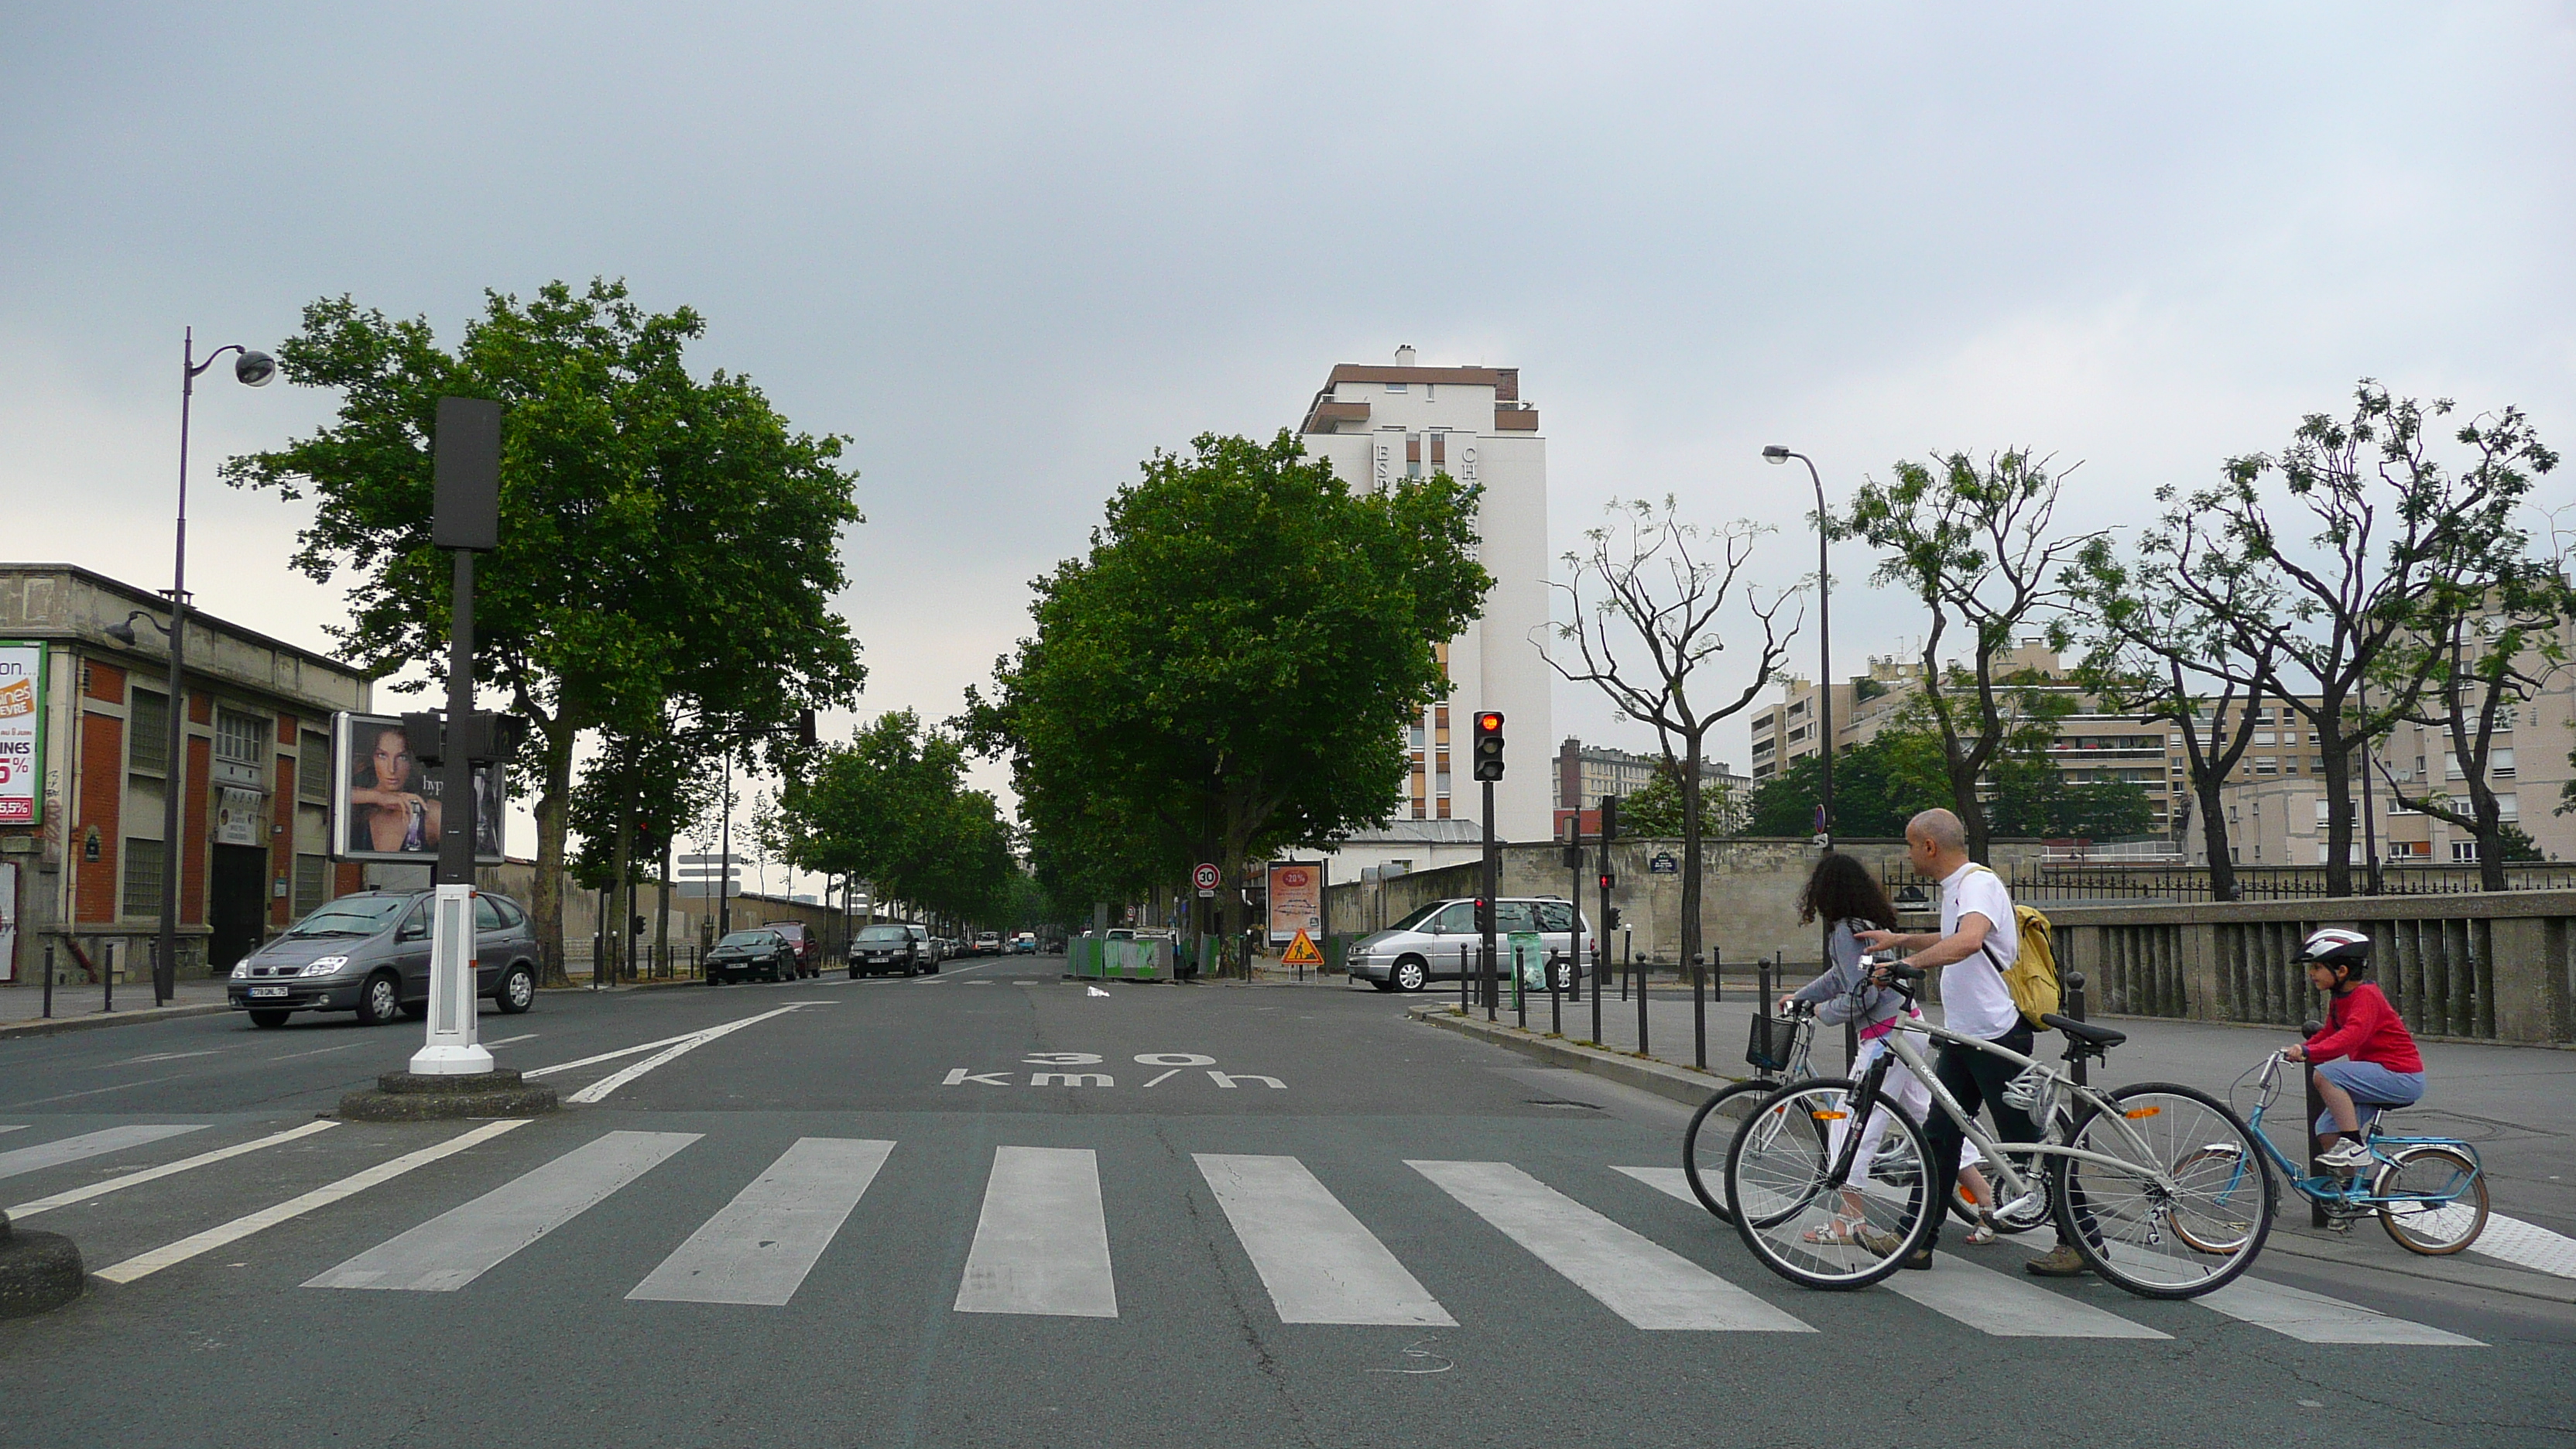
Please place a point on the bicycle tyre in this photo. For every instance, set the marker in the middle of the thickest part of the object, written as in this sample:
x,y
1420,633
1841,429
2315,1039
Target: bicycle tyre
x,y
1726,1110
2453,1225
1775,1182
2218,1227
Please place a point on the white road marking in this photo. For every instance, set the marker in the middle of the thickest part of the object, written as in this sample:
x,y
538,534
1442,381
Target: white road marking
x,y
672,1048
1985,1300
2315,1318
606,1056
509,1040
1166,1074
169,1057
764,1242
1320,1263
2526,1245
150,1174
89,1144
14,1127
143,1264
1642,1281
318,1052
462,1244
1042,1244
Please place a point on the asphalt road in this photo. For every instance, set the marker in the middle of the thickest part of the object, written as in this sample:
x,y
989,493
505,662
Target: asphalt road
x,y
997,1208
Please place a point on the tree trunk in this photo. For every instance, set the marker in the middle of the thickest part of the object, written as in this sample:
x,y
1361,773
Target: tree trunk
x,y
2490,833
554,819
2339,811
2213,836
1964,801
622,895
1690,850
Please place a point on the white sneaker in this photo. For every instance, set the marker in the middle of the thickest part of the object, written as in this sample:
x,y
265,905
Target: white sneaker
x,y
2345,1156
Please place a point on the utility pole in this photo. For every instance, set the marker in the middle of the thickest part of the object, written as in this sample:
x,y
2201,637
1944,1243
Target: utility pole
x,y
468,521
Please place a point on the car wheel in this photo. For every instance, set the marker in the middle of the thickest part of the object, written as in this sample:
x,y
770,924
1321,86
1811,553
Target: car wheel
x,y
518,991
380,1000
269,1020
1410,974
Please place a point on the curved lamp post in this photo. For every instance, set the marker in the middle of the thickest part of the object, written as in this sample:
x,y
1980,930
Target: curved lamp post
x,y
1825,644
251,369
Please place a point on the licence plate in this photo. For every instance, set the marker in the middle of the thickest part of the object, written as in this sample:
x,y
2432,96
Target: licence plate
x,y
268,991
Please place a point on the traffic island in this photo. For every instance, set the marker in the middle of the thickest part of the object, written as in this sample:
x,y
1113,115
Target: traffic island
x,y
414,1097
39,1272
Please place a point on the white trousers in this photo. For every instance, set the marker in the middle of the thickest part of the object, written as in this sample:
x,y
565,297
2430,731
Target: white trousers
x,y
1910,1093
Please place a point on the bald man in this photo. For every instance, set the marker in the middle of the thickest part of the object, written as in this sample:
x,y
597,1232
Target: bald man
x,y
1978,941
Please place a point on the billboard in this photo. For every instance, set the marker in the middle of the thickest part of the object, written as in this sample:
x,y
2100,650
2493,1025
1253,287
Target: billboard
x,y
22,733
1296,900
386,806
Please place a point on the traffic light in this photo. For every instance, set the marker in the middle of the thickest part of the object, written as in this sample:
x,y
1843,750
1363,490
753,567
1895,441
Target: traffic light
x,y
1608,879
1609,817
1610,921
805,729
1489,744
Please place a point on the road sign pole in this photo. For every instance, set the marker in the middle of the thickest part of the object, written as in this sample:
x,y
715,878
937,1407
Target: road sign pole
x,y
1485,927
467,466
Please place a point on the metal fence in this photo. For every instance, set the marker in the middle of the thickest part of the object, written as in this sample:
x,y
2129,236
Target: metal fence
x,y
2039,881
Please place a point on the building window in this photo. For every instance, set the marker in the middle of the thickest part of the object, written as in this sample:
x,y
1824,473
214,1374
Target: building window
x,y
241,739
2500,764
2464,852
142,878
313,767
312,874
2262,737
2325,808
147,732
2266,765
2508,807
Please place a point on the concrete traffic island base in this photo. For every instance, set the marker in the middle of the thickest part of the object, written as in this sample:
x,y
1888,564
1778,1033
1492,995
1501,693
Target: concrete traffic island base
x,y
39,1272
411,1097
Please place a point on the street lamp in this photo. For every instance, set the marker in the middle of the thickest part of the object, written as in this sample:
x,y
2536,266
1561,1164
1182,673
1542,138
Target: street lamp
x,y
1825,642
251,369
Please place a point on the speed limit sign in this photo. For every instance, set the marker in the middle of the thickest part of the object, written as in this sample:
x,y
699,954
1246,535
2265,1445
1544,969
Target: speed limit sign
x,y
1205,877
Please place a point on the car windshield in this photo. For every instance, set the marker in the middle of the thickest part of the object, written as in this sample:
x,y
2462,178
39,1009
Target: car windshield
x,y
747,938
352,916
886,935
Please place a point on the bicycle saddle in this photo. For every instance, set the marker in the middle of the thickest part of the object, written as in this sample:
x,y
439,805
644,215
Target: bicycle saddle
x,y
2085,1031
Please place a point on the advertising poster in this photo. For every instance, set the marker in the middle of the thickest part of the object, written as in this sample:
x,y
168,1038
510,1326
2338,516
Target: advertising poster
x,y
22,733
386,805
1296,900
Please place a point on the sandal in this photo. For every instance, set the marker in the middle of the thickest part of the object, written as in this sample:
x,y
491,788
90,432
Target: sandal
x,y
1840,1232
1984,1232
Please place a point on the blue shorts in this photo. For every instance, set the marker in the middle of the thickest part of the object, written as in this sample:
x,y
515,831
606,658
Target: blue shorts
x,y
2372,1087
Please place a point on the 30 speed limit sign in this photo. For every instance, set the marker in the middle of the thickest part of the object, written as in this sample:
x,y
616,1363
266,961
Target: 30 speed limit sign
x,y
1206,877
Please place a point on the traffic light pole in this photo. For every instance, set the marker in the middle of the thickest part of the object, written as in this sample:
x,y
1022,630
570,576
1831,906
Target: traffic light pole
x,y
468,469
1493,985
1601,958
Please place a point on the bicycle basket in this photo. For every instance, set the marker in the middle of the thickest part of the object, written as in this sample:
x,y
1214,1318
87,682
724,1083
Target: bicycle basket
x,y
1774,1042
2032,1093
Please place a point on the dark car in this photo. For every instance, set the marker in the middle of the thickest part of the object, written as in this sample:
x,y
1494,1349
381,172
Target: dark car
x,y
757,951
369,953
800,936
891,949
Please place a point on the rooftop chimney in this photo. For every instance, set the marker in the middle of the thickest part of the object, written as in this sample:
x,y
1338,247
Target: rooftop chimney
x,y
1404,355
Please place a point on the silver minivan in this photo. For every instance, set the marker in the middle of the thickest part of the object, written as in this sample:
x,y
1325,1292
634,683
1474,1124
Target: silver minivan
x,y
1434,941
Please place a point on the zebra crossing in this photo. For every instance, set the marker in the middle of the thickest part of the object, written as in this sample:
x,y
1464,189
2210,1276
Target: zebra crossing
x,y
1042,1243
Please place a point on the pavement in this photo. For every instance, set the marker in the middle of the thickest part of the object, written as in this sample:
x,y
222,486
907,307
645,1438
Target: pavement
x,y
994,1207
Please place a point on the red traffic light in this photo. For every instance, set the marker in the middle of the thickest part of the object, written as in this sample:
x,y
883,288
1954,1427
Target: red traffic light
x,y
1489,745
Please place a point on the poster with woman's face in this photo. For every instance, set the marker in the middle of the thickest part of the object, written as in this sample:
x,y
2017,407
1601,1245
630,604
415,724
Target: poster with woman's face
x,y
386,805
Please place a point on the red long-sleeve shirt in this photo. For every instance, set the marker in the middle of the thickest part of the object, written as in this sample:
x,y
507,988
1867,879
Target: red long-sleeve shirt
x,y
2360,1024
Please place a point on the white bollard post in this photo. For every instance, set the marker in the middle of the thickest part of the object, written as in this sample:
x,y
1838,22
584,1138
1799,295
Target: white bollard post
x,y
452,1050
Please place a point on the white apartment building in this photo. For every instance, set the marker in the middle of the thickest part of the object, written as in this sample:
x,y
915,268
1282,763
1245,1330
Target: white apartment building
x,y
1377,425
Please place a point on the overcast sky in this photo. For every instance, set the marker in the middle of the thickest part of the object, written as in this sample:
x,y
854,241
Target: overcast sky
x,y
1012,251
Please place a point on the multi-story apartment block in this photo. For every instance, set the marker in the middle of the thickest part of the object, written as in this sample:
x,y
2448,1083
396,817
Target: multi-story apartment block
x,y
1376,425
1586,773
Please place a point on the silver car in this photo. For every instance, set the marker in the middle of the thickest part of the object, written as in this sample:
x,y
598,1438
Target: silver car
x,y
369,953
1439,940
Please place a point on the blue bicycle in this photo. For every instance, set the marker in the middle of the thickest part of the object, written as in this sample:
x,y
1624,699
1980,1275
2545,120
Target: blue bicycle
x,y
2430,1193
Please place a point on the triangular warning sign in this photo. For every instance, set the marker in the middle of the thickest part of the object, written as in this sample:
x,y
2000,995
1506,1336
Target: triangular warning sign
x,y
1302,952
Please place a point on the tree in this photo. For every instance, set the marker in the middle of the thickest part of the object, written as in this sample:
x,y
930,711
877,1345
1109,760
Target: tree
x,y
1663,583
1971,541
1232,667
665,541
1878,786
891,806
2391,523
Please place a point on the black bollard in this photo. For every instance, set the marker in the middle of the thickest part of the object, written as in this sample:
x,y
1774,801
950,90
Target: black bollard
x,y
1555,998
1699,1012
49,981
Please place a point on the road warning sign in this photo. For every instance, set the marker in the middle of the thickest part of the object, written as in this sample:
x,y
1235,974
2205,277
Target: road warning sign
x,y
1302,952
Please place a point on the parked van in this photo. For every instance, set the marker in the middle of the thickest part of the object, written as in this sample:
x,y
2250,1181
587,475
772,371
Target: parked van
x,y
1430,943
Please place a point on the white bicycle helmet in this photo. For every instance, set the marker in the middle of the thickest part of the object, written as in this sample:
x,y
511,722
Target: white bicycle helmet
x,y
2335,946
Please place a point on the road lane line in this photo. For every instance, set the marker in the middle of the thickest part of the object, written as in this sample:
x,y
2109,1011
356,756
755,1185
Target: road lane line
x,y
1042,1243
764,1242
1642,1281
1991,1302
150,1174
2315,1318
318,1052
508,1040
14,1127
91,1092
89,1144
144,1264
168,1057
607,1056
463,1243
598,1091
1319,1262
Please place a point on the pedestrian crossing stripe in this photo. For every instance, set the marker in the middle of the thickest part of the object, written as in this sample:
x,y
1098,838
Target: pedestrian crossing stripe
x,y
1042,1246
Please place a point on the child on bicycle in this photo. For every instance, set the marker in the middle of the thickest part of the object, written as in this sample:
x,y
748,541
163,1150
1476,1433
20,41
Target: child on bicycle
x,y
2365,1059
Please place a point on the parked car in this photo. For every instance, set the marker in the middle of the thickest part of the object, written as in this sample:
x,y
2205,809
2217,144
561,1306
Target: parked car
x,y
801,936
892,949
369,953
988,943
1025,944
759,949
1431,943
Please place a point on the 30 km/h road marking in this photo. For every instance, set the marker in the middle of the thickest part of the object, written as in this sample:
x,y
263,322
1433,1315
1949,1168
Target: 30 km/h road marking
x,y
769,1237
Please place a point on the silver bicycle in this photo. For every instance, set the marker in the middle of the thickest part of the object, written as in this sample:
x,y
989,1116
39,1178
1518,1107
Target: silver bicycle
x,y
1827,1184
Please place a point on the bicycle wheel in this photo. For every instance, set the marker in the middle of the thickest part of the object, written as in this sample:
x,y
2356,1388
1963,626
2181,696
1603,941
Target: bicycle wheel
x,y
2144,1225
2012,1217
1807,1228
1711,1131
2446,1206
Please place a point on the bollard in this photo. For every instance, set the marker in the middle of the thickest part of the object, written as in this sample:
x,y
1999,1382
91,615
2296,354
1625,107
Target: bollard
x,y
1555,999
1640,968
1596,998
1520,994
1716,974
49,981
1485,986
2074,1006
1466,1002
1699,1011
1762,1005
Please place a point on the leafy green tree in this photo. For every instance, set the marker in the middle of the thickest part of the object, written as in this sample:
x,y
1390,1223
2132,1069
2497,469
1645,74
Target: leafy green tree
x,y
1973,541
891,807
1878,786
666,541
1231,668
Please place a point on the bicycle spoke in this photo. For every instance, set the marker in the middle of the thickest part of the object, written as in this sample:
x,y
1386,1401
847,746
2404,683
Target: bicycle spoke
x,y
2189,1205
1798,1220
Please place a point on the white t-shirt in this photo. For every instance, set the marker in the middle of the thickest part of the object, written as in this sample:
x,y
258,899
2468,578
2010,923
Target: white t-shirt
x,y
1974,1000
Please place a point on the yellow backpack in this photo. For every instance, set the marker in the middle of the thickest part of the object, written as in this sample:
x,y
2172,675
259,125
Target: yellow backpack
x,y
2032,976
